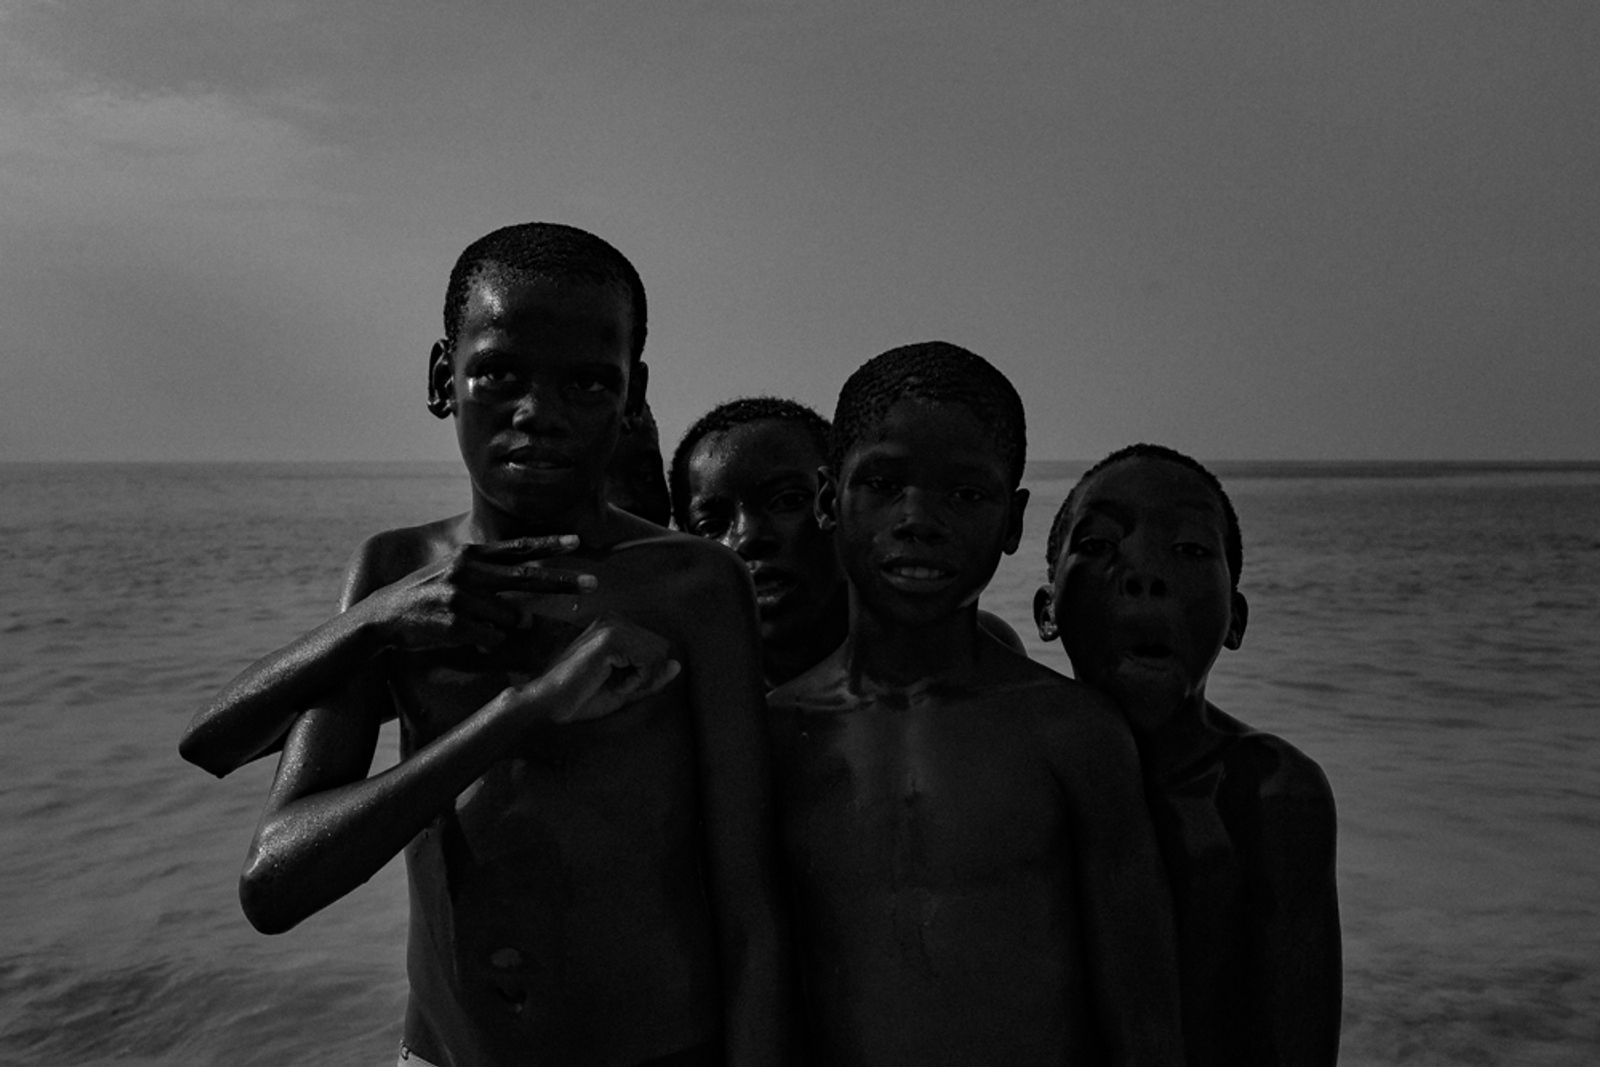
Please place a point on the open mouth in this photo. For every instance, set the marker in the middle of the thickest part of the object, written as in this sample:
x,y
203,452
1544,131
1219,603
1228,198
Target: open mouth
x,y
533,459
771,586
917,574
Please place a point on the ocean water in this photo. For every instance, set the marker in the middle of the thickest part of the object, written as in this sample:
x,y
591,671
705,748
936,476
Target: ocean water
x,y
1429,633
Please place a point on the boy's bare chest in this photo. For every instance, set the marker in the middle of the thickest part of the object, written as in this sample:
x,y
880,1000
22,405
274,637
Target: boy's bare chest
x,y
437,689
942,795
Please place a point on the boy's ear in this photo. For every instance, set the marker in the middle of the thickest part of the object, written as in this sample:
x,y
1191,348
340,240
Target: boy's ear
x,y
638,382
1017,505
1236,622
441,381
1044,613
826,505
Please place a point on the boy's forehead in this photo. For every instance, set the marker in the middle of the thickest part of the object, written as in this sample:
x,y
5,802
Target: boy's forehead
x,y
1149,482
767,437
498,298
759,452
913,421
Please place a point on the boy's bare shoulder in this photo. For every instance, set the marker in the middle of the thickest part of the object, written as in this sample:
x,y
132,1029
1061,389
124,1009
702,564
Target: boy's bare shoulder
x,y
390,555
658,551
1278,770
1067,709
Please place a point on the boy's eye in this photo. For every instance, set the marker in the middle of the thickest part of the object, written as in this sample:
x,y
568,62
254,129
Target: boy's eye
x,y
878,483
491,374
1193,550
709,526
1092,546
790,500
590,385
969,494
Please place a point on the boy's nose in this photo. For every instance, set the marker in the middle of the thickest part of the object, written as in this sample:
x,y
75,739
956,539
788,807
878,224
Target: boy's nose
x,y
1138,584
917,520
748,534
538,411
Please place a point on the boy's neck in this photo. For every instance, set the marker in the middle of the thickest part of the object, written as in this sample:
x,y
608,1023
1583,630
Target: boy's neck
x,y
1184,737
882,652
589,520
780,663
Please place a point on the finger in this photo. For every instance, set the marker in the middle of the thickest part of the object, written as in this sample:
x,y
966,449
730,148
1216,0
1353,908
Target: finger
x,y
526,547
661,677
484,611
529,578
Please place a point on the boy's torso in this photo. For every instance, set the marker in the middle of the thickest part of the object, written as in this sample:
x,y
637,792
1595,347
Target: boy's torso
x,y
930,841
1208,821
559,906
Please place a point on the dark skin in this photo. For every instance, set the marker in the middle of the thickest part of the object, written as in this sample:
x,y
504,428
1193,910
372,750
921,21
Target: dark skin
x,y
1143,604
583,799
974,875
752,488
636,481
455,601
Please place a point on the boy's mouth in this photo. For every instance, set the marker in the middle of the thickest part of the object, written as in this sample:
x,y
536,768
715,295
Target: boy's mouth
x,y
771,584
916,574
537,459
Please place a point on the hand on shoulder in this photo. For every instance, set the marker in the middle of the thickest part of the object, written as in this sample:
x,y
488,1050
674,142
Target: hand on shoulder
x,y
611,664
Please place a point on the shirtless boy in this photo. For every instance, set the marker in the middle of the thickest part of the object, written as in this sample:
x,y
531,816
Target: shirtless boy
x,y
591,883
745,474
1144,561
251,715
974,872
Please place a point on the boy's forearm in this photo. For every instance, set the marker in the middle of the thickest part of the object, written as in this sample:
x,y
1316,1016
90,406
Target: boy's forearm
x,y
253,712
760,994
1136,971
1300,942
318,847
1131,930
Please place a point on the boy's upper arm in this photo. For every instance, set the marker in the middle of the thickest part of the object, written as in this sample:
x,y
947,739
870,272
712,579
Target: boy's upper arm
x,y
332,743
1124,900
734,771
1303,980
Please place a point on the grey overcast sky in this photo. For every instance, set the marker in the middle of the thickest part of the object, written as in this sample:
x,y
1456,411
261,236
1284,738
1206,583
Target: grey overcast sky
x,y
1252,231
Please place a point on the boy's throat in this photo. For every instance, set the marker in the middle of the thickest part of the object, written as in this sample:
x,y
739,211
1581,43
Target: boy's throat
x,y
885,651
587,519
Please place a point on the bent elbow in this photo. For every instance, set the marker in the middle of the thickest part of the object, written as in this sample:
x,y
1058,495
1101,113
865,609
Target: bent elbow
x,y
261,901
194,751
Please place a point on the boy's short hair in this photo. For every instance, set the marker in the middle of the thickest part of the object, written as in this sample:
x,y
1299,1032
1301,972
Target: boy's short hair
x,y
725,417
1233,542
936,372
545,250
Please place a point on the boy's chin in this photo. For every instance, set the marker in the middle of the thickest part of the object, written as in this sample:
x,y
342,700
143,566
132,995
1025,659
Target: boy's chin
x,y
1149,694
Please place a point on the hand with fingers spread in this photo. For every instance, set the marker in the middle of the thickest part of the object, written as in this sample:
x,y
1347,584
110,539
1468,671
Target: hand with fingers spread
x,y
463,599
457,601
611,664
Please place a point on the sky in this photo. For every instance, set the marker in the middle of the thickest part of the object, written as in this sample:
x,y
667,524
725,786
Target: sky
x,y
1360,230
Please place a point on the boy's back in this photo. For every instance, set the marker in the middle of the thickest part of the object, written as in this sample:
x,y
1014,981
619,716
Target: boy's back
x,y
939,837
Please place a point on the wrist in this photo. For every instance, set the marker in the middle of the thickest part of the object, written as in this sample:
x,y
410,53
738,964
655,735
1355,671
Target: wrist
x,y
369,633
527,704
